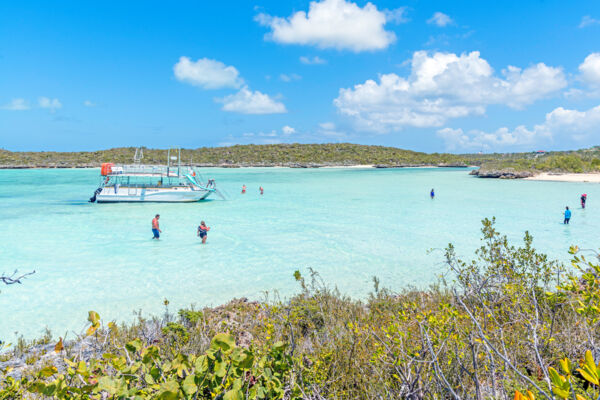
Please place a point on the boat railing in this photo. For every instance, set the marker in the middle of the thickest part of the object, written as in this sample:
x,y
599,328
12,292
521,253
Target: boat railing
x,y
149,170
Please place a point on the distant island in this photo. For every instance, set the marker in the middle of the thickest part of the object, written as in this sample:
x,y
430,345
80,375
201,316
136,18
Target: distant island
x,y
494,165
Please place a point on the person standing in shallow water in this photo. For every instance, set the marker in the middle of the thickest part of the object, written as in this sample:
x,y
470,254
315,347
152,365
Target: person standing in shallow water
x,y
155,227
203,231
567,215
243,189
432,194
583,199
262,191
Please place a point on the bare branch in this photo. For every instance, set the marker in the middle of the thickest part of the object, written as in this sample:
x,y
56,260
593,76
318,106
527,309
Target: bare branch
x,y
12,279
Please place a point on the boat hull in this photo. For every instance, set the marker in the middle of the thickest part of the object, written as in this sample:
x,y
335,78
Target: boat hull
x,y
155,195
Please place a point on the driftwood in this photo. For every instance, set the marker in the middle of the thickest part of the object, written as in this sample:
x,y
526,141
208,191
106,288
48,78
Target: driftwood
x,y
14,278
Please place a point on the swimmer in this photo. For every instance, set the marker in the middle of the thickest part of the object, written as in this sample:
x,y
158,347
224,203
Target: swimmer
x,y
203,231
567,216
155,228
583,199
243,189
262,191
432,194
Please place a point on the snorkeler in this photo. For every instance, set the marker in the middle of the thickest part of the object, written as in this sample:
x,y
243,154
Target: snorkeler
x,y
583,200
432,194
203,231
567,216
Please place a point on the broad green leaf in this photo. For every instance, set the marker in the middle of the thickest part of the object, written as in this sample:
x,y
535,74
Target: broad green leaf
x,y
134,346
189,386
234,394
48,371
223,341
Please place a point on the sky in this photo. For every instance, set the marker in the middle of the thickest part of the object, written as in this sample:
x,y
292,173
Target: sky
x,y
433,76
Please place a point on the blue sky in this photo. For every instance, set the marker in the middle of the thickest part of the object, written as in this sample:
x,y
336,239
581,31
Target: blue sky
x,y
462,76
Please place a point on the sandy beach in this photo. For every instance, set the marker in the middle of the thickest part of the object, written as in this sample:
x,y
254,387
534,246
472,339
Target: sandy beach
x,y
569,177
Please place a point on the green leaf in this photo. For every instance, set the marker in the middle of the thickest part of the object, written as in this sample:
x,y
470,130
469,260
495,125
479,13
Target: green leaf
x,y
48,371
223,341
134,346
201,364
108,384
189,386
234,394
93,317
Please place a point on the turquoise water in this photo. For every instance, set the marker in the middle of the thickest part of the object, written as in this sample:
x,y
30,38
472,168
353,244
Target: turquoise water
x,y
348,224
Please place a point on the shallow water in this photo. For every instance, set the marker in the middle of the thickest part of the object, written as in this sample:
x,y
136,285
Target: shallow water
x,y
348,224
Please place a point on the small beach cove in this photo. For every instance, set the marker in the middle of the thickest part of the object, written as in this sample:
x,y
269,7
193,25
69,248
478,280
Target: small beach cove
x,y
350,224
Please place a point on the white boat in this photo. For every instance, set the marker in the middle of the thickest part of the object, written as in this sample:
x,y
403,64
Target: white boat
x,y
151,183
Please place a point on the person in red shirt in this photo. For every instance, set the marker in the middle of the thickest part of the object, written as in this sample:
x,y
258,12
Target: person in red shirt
x,y
203,231
155,228
262,191
243,189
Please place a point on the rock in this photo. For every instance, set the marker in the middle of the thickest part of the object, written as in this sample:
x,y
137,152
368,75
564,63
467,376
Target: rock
x,y
501,174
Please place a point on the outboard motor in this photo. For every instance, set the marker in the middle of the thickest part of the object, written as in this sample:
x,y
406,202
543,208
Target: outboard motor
x,y
96,193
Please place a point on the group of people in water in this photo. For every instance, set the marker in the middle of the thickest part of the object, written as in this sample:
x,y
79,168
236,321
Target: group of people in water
x,y
568,212
202,229
260,189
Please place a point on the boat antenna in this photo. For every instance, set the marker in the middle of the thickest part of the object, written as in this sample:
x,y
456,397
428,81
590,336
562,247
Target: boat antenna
x,y
168,160
179,161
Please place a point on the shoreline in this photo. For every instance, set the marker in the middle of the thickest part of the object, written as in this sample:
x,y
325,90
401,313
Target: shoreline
x,y
565,177
226,166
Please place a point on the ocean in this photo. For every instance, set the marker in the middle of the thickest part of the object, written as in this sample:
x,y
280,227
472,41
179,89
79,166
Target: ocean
x,y
348,224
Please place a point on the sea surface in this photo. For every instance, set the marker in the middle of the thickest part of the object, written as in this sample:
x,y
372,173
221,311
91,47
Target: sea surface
x,y
347,224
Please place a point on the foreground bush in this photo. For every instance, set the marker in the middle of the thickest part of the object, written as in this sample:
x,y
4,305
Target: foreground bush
x,y
509,324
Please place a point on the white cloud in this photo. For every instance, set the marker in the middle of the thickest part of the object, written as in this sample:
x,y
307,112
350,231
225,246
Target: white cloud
x,y
398,15
289,77
16,105
335,24
590,69
440,19
251,102
443,86
207,73
51,104
89,103
588,21
316,60
288,130
560,125
328,129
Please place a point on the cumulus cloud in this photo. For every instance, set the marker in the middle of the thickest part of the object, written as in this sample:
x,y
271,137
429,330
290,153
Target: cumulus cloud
x,y
247,101
207,73
588,21
590,70
443,86
288,130
440,19
51,104
560,124
316,60
338,24
16,105
89,103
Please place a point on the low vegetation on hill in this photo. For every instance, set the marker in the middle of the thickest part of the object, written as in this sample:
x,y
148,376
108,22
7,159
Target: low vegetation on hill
x,y
314,155
509,324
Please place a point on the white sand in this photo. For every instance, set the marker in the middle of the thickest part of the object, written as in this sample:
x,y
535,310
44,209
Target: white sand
x,y
550,176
